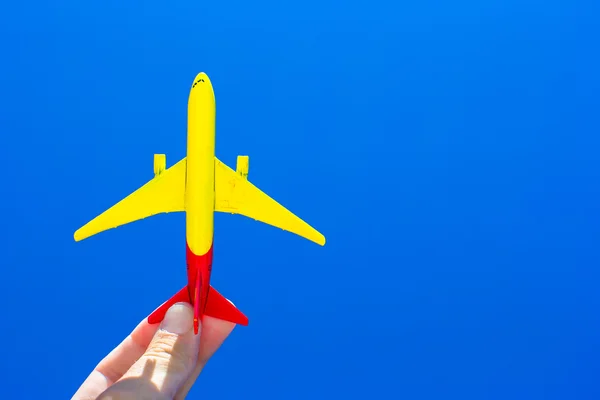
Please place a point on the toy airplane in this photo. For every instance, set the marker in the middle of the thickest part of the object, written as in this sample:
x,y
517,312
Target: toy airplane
x,y
199,185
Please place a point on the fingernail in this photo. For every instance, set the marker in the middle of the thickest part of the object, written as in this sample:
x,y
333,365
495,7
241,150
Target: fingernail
x,y
178,319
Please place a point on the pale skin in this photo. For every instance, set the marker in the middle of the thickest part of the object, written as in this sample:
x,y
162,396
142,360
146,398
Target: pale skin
x,y
159,362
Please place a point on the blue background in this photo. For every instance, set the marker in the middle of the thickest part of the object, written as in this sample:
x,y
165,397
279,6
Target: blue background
x,y
448,151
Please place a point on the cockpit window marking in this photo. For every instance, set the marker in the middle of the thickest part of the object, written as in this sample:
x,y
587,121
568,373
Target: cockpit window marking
x,y
197,82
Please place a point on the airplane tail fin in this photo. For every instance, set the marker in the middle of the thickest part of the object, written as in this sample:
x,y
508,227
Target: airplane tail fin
x,y
217,306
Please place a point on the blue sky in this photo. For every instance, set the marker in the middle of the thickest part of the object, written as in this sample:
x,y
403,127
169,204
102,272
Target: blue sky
x,y
448,151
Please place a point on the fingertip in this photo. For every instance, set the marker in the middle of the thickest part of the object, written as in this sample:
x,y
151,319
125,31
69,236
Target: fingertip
x,y
178,319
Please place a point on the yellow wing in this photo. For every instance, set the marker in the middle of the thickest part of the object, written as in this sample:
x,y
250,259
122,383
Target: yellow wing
x,y
162,194
234,194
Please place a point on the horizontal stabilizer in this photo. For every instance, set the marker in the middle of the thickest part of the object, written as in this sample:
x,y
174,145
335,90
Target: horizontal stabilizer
x,y
219,307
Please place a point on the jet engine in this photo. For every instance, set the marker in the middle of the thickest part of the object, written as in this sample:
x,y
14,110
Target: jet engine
x,y
242,167
160,163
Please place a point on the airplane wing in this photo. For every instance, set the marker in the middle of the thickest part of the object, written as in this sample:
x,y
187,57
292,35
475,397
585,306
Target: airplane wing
x,y
162,194
235,194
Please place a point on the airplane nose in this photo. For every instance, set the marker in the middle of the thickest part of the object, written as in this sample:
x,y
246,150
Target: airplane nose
x,y
200,79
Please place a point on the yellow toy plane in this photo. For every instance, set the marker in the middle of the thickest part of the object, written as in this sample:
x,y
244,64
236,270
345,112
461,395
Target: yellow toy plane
x,y
199,185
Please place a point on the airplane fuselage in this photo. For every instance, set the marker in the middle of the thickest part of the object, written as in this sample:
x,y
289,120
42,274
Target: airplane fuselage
x,y
200,191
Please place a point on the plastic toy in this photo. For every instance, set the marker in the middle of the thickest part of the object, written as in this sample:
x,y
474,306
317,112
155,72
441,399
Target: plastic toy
x,y
199,185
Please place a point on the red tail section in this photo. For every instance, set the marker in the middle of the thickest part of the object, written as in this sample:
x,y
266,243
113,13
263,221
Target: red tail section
x,y
217,306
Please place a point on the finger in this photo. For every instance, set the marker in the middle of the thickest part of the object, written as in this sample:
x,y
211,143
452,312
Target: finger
x,y
167,362
117,362
214,332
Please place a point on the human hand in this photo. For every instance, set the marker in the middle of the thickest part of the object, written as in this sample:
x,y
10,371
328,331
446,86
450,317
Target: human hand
x,y
157,362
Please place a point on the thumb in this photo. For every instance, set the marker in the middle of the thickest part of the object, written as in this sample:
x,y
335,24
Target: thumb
x,y
167,362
